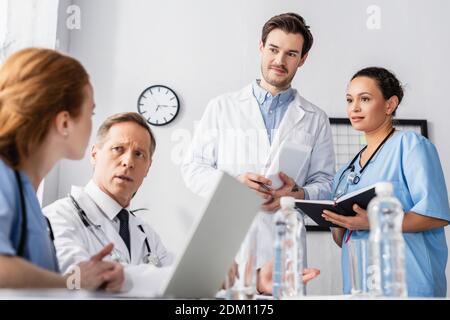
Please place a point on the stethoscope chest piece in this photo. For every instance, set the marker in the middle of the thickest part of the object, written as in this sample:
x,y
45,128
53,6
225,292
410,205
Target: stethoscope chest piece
x,y
353,178
152,259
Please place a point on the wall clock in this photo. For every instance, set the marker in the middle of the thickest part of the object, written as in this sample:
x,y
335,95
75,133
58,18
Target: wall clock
x,y
159,105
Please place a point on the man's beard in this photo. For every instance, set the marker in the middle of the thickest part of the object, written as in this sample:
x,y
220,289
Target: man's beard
x,y
277,83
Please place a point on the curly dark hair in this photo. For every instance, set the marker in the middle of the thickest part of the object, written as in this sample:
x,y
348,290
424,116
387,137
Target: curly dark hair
x,y
387,82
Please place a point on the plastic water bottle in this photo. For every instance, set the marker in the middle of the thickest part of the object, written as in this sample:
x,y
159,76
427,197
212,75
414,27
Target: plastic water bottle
x,y
302,261
290,236
278,262
386,270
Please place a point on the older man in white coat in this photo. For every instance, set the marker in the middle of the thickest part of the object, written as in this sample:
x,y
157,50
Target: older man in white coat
x,y
243,132
100,212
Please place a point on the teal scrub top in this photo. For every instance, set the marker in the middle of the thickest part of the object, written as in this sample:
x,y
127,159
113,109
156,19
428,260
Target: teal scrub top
x,y
39,248
411,163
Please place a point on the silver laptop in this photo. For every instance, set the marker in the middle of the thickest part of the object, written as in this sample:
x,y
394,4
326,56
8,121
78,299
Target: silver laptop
x,y
214,241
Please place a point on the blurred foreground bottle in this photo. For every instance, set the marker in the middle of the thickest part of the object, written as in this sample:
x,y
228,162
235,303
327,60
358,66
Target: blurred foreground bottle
x,y
386,269
289,251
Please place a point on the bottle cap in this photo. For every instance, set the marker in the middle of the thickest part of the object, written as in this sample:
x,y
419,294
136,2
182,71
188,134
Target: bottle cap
x,y
287,202
384,187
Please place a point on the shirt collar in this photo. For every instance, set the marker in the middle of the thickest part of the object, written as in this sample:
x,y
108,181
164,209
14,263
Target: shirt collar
x,y
107,205
262,94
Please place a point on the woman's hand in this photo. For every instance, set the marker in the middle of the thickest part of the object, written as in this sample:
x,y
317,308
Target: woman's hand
x,y
264,278
358,222
412,222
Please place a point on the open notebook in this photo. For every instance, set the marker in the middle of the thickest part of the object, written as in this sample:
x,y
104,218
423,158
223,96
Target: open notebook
x,y
343,206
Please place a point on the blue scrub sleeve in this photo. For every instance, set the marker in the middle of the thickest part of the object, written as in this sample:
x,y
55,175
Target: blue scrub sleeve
x,y
426,182
6,220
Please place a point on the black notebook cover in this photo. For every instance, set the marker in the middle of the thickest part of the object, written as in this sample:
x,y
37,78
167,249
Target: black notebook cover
x,y
314,209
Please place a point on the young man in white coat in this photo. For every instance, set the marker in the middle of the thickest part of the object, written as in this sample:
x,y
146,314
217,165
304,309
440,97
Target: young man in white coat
x,y
241,132
99,213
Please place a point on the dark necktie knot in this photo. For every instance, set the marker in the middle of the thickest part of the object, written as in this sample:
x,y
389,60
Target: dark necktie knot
x,y
123,216
124,230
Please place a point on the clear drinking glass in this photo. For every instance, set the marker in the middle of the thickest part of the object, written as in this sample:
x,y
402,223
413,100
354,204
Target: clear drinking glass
x,y
357,255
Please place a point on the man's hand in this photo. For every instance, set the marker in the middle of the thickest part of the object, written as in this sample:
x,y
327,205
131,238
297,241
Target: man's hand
x,y
233,273
285,191
96,273
264,278
114,279
338,235
257,182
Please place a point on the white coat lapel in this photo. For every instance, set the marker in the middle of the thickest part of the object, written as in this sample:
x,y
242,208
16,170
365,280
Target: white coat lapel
x,y
114,237
137,240
254,121
94,213
292,117
250,107
87,204
294,114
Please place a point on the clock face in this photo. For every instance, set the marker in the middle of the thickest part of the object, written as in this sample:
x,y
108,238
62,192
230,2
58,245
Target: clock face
x,y
159,105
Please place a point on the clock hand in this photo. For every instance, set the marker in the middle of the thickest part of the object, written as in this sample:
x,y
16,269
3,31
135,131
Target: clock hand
x,y
154,101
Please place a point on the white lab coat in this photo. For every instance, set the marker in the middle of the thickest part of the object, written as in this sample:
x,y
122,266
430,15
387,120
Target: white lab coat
x,y
232,137
74,243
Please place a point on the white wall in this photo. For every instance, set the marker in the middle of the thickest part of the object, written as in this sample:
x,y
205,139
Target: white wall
x,y
203,48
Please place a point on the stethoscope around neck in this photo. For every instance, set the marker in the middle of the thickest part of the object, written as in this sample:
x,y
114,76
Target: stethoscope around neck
x,y
99,234
353,177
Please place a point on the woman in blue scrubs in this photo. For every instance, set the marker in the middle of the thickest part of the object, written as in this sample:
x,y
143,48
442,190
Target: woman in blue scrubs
x,y
46,105
411,163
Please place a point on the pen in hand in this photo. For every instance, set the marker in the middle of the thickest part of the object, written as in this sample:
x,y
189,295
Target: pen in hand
x,y
265,187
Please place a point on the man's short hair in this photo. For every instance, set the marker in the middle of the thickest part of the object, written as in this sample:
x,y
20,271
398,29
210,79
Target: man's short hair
x,y
125,117
289,23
